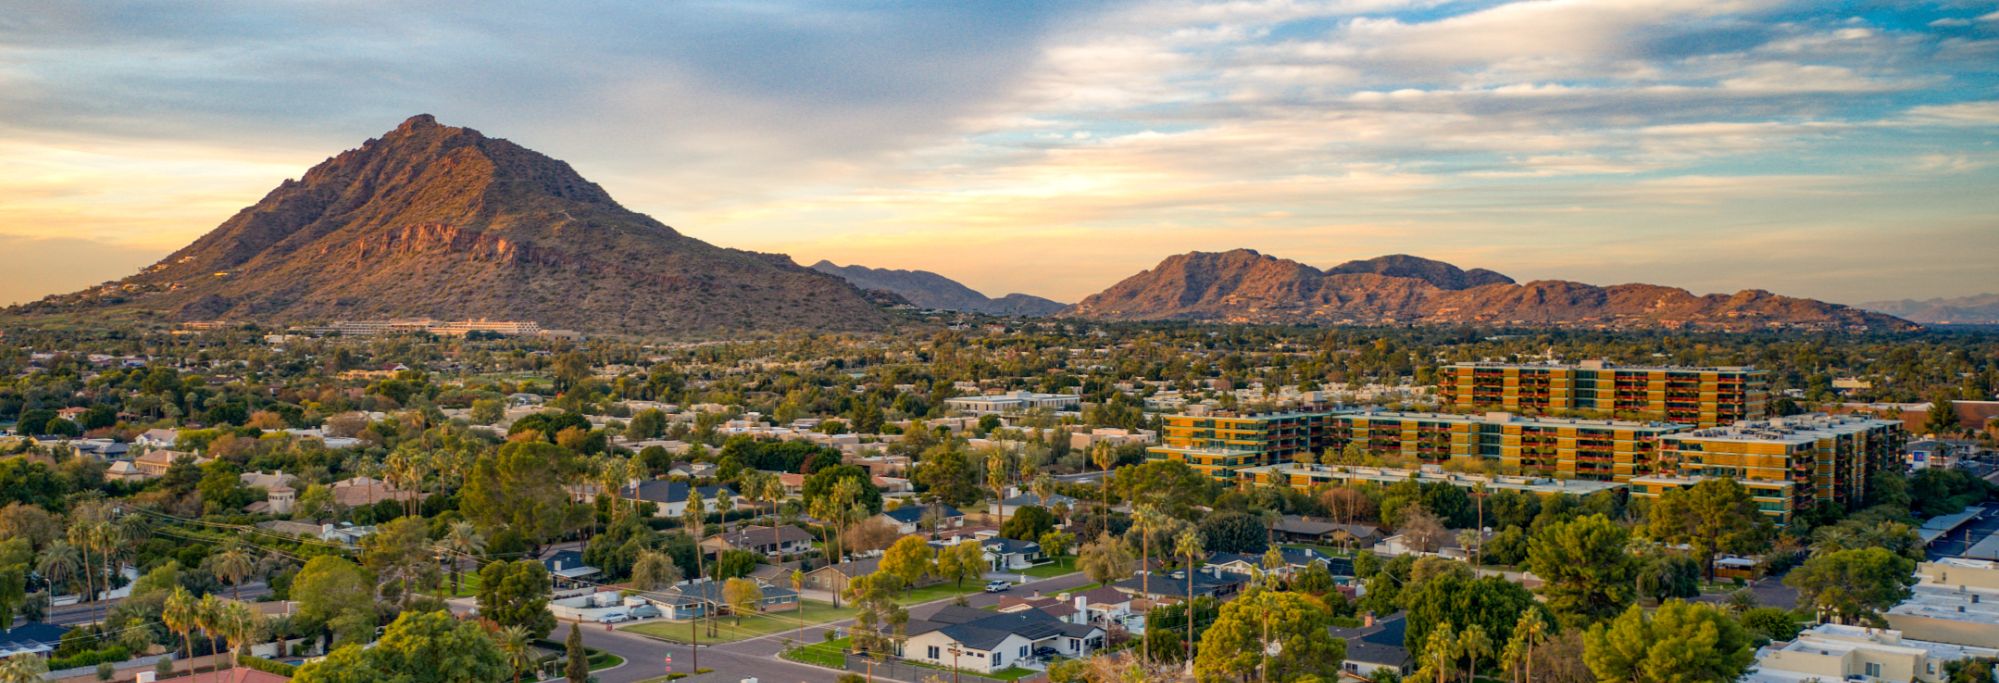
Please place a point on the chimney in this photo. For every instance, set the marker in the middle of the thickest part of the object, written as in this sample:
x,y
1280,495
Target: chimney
x,y
1367,621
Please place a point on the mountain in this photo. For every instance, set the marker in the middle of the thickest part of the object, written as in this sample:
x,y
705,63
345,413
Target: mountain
x,y
925,289
1977,309
1438,273
443,222
1245,286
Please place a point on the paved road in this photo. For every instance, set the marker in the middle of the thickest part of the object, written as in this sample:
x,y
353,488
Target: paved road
x,y
758,656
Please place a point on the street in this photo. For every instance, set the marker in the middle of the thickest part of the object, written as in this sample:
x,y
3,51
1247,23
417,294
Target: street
x,y
758,657
85,613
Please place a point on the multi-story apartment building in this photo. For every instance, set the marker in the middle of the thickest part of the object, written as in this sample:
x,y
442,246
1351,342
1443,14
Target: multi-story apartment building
x,y
1306,477
1790,464
1594,450
1705,397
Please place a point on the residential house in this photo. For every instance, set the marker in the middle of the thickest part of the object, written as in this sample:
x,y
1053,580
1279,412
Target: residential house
x,y
981,641
279,496
157,438
703,597
671,496
1012,505
1836,652
566,567
909,519
360,491
31,638
1006,554
783,540
1246,564
1376,645
155,463
833,578
1173,586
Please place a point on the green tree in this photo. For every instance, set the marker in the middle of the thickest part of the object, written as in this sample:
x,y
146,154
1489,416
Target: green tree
x,y
1234,532
743,596
419,647
516,594
909,560
1283,635
1028,523
488,411
1106,559
1942,419
1713,517
1853,586
520,487
961,561
577,670
1682,641
1586,572
1494,604
334,592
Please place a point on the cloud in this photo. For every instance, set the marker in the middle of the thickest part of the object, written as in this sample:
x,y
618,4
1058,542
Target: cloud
x,y
1054,147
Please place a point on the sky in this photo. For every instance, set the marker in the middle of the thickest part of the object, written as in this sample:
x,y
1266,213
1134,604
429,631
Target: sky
x,y
1847,151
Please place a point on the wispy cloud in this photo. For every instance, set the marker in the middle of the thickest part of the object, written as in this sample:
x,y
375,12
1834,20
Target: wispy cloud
x,y
1053,148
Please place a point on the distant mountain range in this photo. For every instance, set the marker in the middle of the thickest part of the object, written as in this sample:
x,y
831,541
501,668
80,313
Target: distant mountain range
x,y
925,289
1977,309
1247,287
443,222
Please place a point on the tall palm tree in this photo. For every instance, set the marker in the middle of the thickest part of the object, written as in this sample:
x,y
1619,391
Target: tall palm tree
x,y
1440,652
1044,488
460,540
240,625
58,565
772,488
1104,457
724,503
1473,643
112,543
178,615
1528,633
999,470
1190,545
209,616
611,480
1146,521
514,643
234,565
82,534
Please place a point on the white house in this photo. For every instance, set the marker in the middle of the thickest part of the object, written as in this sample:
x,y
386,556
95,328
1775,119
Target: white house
x,y
978,640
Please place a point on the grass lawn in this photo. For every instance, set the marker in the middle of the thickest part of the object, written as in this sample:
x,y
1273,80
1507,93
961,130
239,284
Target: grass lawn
x,y
1061,565
728,631
830,654
940,591
468,585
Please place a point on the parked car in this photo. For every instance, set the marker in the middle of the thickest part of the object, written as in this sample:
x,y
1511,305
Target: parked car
x,y
998,586
614,618
645,612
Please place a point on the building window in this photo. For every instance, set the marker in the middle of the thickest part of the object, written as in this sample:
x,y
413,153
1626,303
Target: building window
x,y
996,659
933,652
1873,669
1023,651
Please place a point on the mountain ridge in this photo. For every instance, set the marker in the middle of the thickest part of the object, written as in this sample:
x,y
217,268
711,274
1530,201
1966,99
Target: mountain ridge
x,y
437,221
1245,286
926,289
1975,309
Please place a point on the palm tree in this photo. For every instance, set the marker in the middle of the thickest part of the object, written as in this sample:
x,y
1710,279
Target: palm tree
x,y
1146,521
1528,633
240,625
1104,457
178,615
724,503
460,540
234,565
611,480
23,669
999,469
1440,652
1190,545
772,489
58,565
208,615
82,534
112,543
514,643
798,588
1473,643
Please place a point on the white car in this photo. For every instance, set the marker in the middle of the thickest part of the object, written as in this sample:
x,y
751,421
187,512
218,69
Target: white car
x,y
998,586
614,618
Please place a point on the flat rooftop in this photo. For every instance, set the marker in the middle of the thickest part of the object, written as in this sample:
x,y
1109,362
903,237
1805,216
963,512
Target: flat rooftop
x,y
1795,429
1390,475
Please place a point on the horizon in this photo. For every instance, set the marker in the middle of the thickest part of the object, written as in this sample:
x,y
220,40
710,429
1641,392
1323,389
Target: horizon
x,y
1839,153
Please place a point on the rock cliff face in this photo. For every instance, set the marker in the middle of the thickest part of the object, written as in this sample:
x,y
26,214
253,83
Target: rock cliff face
x,y
930,290
438,221
1245,286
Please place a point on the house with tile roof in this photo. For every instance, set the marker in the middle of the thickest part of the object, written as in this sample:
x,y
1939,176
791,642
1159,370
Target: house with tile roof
x,y
977,640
